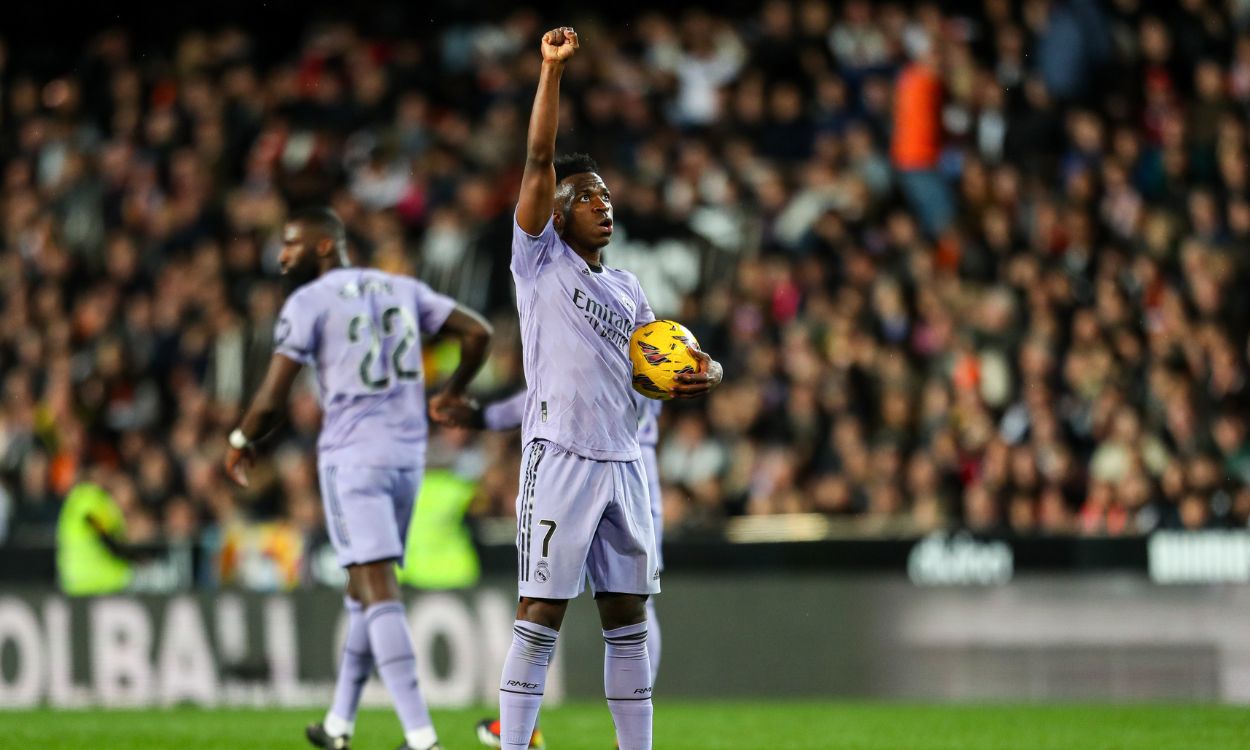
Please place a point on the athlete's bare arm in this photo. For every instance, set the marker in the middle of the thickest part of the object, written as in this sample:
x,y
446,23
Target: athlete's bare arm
x,y
265,413
474,334
538,182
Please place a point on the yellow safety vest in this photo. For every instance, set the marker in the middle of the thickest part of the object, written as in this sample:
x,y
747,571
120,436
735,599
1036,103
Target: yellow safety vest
x,y
85,566
440,552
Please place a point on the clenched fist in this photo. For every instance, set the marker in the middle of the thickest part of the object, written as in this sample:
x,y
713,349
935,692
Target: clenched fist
x,y
559,44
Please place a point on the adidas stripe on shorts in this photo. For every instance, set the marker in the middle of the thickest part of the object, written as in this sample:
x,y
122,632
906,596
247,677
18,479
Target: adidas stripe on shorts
x,y
578,518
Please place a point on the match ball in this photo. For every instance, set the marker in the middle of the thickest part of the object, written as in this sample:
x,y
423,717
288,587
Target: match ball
x,y
658,353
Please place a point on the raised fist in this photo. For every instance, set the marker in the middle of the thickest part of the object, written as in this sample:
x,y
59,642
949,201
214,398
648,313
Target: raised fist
x,y
559,44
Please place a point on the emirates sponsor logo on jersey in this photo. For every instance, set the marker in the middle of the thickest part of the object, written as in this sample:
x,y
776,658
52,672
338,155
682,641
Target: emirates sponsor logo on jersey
x,y
605,321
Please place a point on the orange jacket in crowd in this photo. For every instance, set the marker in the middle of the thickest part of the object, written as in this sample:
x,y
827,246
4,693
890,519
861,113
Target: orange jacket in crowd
x,y
917,118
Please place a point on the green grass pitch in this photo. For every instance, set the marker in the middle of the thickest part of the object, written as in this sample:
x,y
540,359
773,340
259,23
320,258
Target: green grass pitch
x,y
679,726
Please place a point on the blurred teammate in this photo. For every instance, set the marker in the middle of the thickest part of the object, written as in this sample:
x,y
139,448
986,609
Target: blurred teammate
x,y
507,415
583,509
361,330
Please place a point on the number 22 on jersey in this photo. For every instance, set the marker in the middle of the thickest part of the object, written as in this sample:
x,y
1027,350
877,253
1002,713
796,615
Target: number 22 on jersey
x,y
396,322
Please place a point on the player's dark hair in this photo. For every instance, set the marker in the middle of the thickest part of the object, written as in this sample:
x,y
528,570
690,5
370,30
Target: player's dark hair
x,y
325,221
571,164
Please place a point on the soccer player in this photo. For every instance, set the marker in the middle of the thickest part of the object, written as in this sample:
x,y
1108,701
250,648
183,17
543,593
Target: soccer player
x,y
361,330
583,509
507,415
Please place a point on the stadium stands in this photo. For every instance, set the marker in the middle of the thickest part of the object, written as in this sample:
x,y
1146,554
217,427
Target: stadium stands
x,y
976,271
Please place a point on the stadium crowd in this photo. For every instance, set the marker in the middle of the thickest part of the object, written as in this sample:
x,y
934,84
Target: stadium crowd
x,y
972,270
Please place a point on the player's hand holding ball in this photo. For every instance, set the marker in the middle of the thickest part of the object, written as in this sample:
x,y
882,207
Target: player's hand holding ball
x,y
703,380
669,364
559,44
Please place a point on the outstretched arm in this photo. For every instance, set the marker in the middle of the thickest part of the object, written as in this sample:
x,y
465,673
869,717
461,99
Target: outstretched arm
x,y
538,182
265,414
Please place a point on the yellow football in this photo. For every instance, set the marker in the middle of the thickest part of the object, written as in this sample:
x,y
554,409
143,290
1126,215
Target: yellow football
x,y
658,353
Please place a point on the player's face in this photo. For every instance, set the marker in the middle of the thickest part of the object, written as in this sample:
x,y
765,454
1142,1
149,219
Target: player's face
x,y
587,222
298,258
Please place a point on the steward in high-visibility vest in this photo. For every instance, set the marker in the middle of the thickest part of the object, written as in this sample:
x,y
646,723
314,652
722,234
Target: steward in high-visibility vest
x,y
91,553
440,552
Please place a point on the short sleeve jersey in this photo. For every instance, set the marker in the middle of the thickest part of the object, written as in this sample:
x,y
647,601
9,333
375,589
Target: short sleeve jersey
x,y
360,329
575,329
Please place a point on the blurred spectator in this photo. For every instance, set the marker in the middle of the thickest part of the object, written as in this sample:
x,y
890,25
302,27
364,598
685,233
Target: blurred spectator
x,y
964,269
93,546
1072,43
917,140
